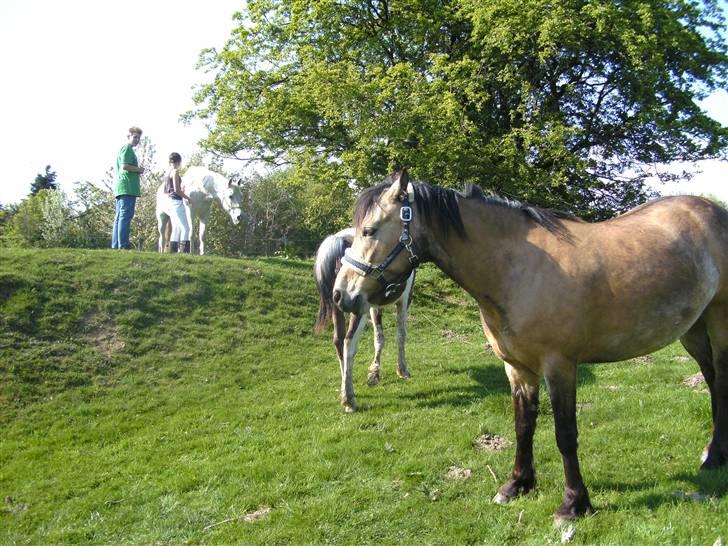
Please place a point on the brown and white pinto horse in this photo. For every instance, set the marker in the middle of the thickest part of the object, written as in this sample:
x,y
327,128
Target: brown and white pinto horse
x,y
555,291
326,266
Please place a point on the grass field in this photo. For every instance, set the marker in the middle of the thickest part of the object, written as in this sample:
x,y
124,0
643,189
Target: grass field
x,y
156,399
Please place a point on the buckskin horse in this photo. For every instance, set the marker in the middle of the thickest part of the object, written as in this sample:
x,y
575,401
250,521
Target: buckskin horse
x,y
326,266
555,291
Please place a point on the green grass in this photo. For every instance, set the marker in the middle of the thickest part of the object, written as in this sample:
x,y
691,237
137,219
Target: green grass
x,y
149,399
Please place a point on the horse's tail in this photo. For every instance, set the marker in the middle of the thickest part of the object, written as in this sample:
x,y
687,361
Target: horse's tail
x,y
325,269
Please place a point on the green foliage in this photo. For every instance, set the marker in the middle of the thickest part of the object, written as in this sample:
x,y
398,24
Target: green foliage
x,y
559,103
26,225
158,399
55,226
94,206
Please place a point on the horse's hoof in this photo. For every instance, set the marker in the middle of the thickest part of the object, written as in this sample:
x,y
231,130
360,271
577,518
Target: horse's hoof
x,y
560,520
501,499
403,374
373,380
569,512
349,408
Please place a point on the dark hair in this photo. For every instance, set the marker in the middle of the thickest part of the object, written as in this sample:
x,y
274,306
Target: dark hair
x,y
174,157
135,130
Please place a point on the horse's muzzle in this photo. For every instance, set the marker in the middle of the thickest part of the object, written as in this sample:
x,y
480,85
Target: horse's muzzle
x,y
348,304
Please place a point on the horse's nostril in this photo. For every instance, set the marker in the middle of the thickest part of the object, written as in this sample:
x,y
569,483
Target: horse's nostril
x,y
337,296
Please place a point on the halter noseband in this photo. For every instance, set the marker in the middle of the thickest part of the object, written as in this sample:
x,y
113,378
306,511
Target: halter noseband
x,y
365,269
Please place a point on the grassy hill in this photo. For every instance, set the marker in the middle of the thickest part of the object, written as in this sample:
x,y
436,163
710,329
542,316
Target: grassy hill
x,y
156,399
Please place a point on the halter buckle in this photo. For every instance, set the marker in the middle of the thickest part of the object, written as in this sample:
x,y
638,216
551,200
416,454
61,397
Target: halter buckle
x,y
405,213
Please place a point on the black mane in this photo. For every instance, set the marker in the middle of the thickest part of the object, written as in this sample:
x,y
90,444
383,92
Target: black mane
x,y
547,218
441,204
434,202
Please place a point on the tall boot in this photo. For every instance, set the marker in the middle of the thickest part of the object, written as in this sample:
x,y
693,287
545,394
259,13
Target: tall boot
x,y
185,247
173,247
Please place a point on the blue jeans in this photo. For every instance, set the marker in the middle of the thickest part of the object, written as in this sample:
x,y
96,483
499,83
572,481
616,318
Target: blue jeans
x,y
125,205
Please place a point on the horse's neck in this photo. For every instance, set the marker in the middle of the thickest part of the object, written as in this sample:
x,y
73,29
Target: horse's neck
x,y
488,253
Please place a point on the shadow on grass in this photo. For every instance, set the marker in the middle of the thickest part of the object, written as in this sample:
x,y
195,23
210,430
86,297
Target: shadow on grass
x,y
488,381
710,484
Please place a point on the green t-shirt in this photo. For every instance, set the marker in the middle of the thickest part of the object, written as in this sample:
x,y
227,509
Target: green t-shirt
x,y
127,183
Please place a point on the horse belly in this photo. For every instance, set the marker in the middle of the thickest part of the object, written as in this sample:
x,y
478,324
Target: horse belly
x,y
641,327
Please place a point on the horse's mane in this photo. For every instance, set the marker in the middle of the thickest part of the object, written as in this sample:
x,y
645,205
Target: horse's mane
x,y
442,205
550,219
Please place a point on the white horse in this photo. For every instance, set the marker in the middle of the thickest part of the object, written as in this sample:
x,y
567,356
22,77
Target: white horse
x,y
203,186
326,267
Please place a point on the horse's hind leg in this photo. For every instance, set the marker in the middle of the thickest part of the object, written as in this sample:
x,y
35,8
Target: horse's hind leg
x,y
716,320
373,373
697,344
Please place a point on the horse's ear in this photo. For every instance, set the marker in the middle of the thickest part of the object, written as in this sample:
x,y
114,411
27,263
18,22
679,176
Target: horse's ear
x,y
401,185
402,178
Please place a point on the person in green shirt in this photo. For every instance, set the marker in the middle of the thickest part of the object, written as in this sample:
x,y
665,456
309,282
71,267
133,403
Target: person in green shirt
x,y
127,189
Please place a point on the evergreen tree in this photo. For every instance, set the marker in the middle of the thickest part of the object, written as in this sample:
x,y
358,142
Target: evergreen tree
x,y
46,181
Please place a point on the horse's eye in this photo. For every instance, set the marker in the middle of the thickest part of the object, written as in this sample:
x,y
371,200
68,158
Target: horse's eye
x,y
369,231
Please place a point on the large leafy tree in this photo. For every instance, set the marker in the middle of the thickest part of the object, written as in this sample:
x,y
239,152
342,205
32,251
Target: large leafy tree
x,y
565,103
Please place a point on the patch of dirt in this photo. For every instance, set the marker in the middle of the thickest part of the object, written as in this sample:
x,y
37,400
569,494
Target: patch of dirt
x,y
13,506
256,515
491,442
696,381
584,405
103,334
644,360
107,340
252,271
681,358
456,473
452,336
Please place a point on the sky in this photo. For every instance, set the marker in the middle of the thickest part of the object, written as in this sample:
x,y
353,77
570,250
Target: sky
x,y
78,73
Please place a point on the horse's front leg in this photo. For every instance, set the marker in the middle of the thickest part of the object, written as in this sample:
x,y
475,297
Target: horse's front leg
x,y
561,383
402,310
351,342
524,391
337,318
204,217
162,220
373,373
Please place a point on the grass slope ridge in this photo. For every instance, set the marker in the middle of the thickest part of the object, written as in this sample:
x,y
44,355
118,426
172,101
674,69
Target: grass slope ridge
x,y
156,399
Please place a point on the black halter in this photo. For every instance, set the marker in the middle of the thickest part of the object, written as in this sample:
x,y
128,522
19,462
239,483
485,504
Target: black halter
x,y
405,243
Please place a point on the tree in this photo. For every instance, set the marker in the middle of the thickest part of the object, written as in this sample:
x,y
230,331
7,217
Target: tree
x,y
45,181
273,220
563,103
24,227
